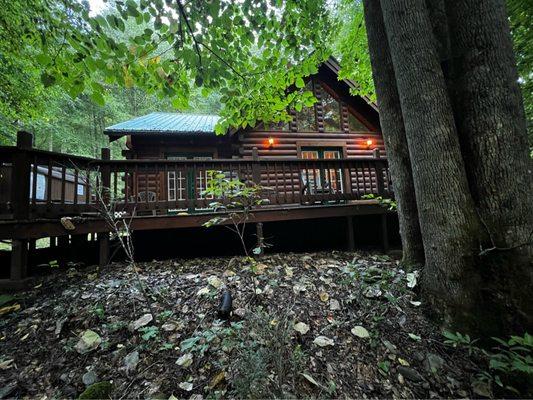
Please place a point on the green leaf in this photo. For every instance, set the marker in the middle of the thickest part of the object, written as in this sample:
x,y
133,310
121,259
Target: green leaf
x,y
98,98
299,82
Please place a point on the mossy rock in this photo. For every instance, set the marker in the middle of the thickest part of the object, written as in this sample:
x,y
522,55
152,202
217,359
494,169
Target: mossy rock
x,y
98,390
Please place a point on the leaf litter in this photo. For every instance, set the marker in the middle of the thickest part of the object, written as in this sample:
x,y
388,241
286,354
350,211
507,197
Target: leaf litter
x,y
352,317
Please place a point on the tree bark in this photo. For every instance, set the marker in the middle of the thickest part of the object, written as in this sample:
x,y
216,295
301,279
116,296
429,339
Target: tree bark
x,y
394,134
449,223
492,128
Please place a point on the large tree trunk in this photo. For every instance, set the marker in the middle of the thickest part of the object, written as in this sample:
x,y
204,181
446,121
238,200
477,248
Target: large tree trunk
x,y
490,119
394,134
448,220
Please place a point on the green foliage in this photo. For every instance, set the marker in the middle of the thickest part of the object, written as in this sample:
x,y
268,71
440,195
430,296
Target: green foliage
x,y
510,363
149,332
520,17
390,204
266,361
99,390
217,333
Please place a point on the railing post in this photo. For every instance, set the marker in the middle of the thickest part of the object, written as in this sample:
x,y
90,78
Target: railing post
x,y
20,201
20,178
103,237
256,168
379,172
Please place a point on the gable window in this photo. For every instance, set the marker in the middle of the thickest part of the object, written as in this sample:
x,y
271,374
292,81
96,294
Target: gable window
x,y
332,112
354,124
306,119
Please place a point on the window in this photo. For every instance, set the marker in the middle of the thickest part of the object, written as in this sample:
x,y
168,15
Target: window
x,y
354,124
306,119
332,112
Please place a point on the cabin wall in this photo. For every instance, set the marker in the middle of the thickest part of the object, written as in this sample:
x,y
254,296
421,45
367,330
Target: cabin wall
x,y
289,141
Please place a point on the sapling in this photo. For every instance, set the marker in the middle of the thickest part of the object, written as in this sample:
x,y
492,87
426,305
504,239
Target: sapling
x,y
236,201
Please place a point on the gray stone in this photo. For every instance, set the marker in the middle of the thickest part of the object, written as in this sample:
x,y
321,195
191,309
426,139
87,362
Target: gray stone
x,y
89,378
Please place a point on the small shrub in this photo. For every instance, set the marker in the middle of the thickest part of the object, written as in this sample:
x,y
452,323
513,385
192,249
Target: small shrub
x,y
266,362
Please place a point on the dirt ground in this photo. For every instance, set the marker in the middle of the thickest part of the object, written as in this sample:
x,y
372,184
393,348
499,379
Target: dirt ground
x,y
320,325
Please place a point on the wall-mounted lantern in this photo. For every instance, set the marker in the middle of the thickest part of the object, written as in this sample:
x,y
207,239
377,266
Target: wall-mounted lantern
x,y
369,143
270,142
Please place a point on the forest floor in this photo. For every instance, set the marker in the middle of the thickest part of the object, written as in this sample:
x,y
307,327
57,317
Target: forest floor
x,y
321,325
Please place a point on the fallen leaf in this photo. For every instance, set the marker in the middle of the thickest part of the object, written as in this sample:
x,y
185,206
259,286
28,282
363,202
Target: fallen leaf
x,y
89,341
143,321
411,279
6,364
334,305
403,362
301,327
215,282
203,291
360,331
187,386
185,360
9,309
323,341
323,296
415,303
310,379
416,338
217,379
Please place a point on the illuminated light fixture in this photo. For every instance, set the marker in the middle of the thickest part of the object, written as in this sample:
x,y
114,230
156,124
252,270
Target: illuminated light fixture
x,y
369,143
270,142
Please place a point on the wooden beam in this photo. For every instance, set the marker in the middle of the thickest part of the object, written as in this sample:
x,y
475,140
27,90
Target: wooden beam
x,y
19,259
103,246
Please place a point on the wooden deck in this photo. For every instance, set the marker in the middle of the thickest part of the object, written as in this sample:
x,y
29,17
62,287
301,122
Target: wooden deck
x,y
38,188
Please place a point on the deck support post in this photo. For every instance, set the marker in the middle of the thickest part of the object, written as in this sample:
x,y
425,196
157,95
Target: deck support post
x,y
384,233
103,249
260,238
256,168
350,238
19,259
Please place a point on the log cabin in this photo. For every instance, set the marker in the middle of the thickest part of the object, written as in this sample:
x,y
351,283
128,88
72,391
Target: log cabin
x,y
338,126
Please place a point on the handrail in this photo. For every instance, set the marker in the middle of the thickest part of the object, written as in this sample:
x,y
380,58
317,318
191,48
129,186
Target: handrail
x,y
45,184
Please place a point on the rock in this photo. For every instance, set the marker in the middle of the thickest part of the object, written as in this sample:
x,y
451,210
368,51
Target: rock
x,y
131,361
89,341
89,378
100,390
143,321
323,341
301,328
361,332
411,374
433,363
334,305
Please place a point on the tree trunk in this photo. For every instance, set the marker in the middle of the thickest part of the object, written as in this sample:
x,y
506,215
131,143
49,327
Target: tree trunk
x,y
492,128
448,220
394,134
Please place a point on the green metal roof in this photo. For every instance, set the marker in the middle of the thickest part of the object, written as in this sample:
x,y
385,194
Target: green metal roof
x,y
166,123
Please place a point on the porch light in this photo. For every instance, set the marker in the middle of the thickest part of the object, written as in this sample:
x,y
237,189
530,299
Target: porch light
x,y
369,143
270,142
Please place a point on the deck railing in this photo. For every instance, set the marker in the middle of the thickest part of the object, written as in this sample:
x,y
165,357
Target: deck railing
x,y
43,184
